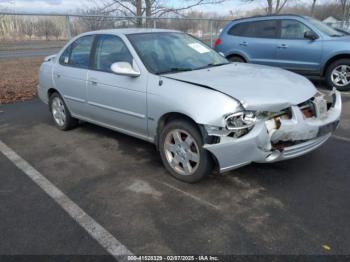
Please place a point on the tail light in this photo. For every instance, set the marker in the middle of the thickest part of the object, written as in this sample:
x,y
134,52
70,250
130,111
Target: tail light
x,y
217,42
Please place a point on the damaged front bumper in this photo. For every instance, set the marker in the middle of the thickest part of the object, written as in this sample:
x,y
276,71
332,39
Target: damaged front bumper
x,y
274,139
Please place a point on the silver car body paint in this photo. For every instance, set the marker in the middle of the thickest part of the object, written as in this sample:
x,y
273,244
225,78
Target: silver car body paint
x,y
135,105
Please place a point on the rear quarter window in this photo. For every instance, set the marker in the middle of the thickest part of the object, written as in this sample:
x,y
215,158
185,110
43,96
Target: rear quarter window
x,y
259,29
78,53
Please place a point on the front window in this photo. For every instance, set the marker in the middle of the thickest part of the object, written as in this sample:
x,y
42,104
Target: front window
x,y
110,49
292,29
324,28
173,52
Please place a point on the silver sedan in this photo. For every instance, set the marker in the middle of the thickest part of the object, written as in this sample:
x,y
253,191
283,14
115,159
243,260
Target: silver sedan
x,y
201,111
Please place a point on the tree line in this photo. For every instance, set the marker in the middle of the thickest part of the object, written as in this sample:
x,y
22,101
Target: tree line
x,y
17,27
28,27
340,9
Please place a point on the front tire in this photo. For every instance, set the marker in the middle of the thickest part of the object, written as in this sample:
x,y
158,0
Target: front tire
x,y
182,152
60,113
338,75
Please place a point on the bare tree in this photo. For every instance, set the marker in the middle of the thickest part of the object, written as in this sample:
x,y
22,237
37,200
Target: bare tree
x,y
46,28
313,7
273,6
55,31
93,23
150,8
27,27
345,6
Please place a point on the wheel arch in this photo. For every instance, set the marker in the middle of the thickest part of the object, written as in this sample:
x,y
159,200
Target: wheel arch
x,y
239,54
171,116
332,60
50,91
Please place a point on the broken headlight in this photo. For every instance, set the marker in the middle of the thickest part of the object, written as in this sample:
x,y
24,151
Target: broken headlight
x,y
240,120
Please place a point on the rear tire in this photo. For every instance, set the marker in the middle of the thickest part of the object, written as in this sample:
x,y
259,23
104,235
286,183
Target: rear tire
x,y
181,150
60,113
236,59
338,75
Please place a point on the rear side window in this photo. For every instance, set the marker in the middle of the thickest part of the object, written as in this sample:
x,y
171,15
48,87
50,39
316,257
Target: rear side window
x,y
78,53
292,29
110,49
260,29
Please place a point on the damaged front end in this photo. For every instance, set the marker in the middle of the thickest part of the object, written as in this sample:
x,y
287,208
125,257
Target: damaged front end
x,y
275,136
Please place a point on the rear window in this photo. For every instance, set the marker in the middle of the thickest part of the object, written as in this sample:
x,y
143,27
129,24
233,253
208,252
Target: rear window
x,y
260,29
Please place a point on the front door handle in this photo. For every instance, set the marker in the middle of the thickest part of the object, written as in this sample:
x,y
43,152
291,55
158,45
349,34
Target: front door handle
x,y
93,81
244,43
283,46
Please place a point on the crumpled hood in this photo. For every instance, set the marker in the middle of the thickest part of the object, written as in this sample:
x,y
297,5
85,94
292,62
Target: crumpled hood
x,y
257,87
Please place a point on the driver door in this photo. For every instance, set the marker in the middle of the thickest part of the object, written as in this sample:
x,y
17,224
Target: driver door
x,y
294,51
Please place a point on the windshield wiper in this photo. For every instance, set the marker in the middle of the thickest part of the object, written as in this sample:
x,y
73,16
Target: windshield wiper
x,y
218,64
184,69
176,69
212,65
337,35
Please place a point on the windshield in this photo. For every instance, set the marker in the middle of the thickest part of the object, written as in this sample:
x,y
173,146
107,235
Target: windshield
x,y
324,28
170,52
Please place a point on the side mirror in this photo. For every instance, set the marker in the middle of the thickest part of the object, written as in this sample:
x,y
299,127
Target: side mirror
x,y
124,68
310,35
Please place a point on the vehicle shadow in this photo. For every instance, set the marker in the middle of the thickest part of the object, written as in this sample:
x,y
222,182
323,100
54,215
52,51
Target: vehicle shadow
x,y
148,156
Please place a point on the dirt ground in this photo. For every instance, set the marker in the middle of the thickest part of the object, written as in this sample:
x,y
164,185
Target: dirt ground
x,y
18,79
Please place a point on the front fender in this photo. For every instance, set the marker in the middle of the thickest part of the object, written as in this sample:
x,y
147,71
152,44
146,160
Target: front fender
x,y
205,106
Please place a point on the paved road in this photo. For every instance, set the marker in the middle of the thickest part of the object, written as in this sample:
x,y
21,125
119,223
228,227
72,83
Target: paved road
x,y
28,53
291,207
32,223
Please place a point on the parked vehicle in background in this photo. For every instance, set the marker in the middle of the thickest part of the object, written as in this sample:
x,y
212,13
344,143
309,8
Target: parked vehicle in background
x,y
170,89
297,43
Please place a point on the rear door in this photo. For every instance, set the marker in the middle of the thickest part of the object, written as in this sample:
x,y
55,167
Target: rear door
x,y
116,100
294,51
70,74
257,40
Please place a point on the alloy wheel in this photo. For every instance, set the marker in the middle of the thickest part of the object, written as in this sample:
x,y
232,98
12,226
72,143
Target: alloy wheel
x,y
58,111
340,75
182,152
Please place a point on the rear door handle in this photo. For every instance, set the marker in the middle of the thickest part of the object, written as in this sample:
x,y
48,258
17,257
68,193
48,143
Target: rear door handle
x,y
283,46
244,43
58,75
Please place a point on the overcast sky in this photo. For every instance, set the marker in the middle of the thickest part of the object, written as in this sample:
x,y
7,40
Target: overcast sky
x,y
48,6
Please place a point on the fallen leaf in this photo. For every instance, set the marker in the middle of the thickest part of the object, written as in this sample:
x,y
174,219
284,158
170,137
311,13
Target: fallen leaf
x,y
326,247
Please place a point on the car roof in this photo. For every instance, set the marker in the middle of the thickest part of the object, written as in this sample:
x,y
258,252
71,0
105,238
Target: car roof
x,y
127,31
269,17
